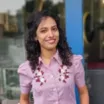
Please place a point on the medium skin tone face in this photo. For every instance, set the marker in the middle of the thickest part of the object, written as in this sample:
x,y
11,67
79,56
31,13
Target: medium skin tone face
x,y
47,34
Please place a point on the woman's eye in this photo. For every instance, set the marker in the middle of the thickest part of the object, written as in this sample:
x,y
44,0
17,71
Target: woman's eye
x,y
43,31
54,29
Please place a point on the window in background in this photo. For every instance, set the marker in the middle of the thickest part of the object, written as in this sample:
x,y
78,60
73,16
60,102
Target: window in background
x,y
12,51
93,19
94,33
13,16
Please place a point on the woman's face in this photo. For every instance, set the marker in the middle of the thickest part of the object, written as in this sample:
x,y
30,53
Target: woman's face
x,y
47,34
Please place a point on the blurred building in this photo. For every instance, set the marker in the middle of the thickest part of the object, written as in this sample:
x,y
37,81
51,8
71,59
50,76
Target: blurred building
x,y
8,22
13,24
20,21
1,25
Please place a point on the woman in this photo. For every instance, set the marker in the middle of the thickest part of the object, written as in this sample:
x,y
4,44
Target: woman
x,y
51,70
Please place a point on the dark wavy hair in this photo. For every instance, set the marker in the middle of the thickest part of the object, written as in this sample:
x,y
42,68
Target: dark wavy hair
x,y
32,46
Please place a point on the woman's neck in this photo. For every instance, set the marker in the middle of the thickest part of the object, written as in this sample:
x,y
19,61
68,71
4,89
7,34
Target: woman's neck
x,y
46,55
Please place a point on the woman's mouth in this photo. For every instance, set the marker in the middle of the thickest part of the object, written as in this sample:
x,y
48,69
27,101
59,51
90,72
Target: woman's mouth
x,y
51,41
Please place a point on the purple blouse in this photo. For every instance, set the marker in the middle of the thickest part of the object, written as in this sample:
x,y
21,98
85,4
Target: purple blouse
x,y
53,83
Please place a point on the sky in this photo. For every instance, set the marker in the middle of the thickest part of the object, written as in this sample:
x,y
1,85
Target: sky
x,y
13,5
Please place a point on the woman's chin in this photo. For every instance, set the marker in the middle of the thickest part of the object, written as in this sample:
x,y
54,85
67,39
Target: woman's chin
x,y
52,47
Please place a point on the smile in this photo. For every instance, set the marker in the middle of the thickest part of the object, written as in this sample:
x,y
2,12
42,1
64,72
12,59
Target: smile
x,y
52,41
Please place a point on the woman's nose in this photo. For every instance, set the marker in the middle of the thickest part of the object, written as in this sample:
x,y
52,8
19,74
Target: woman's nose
x,y
51,34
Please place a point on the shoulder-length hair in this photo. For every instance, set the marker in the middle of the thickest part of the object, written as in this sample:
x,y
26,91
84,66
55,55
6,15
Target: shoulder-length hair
x,y
32,46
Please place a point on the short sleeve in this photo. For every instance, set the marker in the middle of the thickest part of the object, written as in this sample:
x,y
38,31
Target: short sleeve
x,y
24,79
79,74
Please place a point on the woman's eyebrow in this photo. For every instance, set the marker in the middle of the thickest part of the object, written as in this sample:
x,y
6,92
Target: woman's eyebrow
x,y
47,27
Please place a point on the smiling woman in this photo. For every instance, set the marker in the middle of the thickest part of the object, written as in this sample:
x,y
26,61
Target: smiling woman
x,y
51,70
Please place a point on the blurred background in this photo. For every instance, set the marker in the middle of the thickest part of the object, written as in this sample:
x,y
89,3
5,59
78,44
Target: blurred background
x,y
13,16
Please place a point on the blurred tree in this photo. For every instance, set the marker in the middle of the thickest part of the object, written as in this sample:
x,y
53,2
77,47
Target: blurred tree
x,y
39,4
56,9
48,5
29,6
34,5
59,10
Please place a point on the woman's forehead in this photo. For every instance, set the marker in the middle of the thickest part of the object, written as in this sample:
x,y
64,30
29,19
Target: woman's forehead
x,y
47,21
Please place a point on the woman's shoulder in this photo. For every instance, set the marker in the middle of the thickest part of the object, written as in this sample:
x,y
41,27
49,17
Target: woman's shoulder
x,y
77,65
24,67
24,64
77,57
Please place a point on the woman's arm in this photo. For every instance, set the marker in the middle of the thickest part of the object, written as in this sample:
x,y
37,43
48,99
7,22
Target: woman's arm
x,y
84,97
24,99
25,80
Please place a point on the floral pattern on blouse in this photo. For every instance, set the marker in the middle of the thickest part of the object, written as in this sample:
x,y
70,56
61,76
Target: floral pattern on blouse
x,y
39,76
64,74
